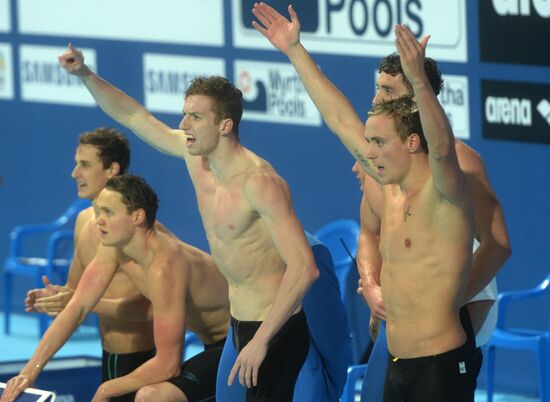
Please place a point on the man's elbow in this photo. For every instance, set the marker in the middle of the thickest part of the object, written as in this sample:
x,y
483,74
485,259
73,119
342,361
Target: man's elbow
x,y
312,273
502,251
505,251
170,370
175,371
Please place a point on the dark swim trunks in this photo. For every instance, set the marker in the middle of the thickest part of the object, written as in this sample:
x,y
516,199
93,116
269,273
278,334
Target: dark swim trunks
x,y
285,357
116,365
446,377
197,379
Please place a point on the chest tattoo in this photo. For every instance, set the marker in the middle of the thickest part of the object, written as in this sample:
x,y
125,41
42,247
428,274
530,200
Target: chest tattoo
x,y
406,213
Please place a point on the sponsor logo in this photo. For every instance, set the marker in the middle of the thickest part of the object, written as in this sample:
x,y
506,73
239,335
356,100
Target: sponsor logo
x,y
166,21
167,77
544,109
522,7
6,72
508,111
272,92
42,79
364,27
308,12
513,22
455,99
516,111
5,16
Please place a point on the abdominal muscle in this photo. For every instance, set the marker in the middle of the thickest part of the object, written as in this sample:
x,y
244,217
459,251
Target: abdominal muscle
x,y
422,314
254,274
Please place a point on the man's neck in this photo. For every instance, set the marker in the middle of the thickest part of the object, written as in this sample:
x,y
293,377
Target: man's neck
x,y
416,177
138,248
228,160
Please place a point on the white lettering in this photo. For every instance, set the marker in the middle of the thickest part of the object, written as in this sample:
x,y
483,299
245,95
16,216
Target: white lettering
x,y
289,83
47,73
169,82
292,107
522,7
514,111
452,96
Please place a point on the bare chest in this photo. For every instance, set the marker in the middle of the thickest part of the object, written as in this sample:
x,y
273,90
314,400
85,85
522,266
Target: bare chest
x,y
408,227
122,286
225,211
132,277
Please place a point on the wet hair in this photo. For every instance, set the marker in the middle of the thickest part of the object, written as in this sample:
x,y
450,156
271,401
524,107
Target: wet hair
x,y
405,116
227,99
136,194
391,65
112,146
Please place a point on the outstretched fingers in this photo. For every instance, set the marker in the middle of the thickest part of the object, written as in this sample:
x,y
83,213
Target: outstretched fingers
x,y
293,14
267,11
263,17
407,42
281,32
411,52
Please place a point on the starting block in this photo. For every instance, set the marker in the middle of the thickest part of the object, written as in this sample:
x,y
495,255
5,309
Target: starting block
x,y
73,379
32,395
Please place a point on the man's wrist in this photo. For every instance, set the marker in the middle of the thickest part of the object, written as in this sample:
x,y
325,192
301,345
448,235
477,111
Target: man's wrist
x,y
32,372
84,72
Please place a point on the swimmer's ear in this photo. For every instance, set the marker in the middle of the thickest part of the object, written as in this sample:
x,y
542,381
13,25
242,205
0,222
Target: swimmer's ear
x,y
413,143
139,216
114,169
226,126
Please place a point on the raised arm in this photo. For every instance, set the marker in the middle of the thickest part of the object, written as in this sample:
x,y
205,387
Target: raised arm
x,y
268,194
123,108
490,227
447,175
337,111
167,282
92,285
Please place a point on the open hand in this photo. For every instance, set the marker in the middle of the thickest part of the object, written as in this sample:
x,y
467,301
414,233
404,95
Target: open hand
x,y
50,300
411,52
282,34
248,364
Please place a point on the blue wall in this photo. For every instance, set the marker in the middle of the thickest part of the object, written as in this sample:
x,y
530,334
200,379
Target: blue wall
x,y
37,142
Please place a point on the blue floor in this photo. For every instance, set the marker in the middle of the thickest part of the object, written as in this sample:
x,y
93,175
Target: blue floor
x,y
20,345
22,341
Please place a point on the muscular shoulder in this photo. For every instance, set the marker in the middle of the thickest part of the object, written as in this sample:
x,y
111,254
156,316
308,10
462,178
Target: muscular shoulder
x,y
169,255
263,186
83,218
84,225
473,167
469,160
